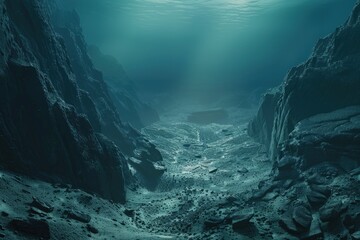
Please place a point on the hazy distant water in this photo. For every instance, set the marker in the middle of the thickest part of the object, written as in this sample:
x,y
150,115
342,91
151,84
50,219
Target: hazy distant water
x,y
200,42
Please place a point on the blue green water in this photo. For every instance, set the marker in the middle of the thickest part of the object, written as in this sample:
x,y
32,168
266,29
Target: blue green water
x,y
244,43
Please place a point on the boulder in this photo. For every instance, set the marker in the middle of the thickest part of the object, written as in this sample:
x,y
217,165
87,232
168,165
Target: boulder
x,y
129,212
213,222
315,231
150,172
316,199
34,228
324,190
92,229
242,218
78,216
302,216
41,205
288,224
332,210
213,170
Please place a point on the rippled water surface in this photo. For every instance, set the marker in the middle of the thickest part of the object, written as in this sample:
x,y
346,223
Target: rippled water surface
x,y
221,12
195,43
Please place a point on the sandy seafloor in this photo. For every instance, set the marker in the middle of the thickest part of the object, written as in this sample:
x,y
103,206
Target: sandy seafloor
x,y
212,171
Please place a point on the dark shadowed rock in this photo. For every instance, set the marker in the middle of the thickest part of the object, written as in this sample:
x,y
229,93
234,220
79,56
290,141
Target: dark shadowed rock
x,y
242,218
331,138
316,199
149,171
213,170
287,168
129,212
41,205
78,216
331,210
58,134
324,190
4,214
262,125
34,228
302,216
213,222
35,211
287,223
264,188
315,231
92,229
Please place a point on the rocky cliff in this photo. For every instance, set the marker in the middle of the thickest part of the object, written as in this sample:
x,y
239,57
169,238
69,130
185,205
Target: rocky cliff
x,y
311,128
123,90
329,80
57,119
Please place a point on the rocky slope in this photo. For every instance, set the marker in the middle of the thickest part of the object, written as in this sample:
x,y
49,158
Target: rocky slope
x,y
57,119
123,90
327,81
310,126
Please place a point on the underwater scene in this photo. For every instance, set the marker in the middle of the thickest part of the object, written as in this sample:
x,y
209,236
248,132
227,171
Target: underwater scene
x,y
180,119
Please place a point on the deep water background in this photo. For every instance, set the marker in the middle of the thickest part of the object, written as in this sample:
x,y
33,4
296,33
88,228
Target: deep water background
x,y
208,44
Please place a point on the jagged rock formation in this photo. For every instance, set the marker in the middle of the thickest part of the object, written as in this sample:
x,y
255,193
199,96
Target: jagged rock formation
x,y
311,128
57,120
122,90
327,81
332,137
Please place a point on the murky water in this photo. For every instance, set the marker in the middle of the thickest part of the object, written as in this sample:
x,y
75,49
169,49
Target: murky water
x,y
166,44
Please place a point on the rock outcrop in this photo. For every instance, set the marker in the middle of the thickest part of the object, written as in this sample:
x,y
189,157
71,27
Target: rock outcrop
x,y
261,126
311,128
332,137
329,80
57,119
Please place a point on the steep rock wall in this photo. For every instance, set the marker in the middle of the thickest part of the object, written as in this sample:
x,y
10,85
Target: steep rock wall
x,y
57,120
327,81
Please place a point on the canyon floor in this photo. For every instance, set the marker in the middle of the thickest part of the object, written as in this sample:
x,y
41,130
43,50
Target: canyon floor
x,y
213,188
211,171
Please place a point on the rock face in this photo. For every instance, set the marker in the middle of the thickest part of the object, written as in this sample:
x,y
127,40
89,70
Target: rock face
x,y
332,137
329,80
311,129
261,126
57,120
122,90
